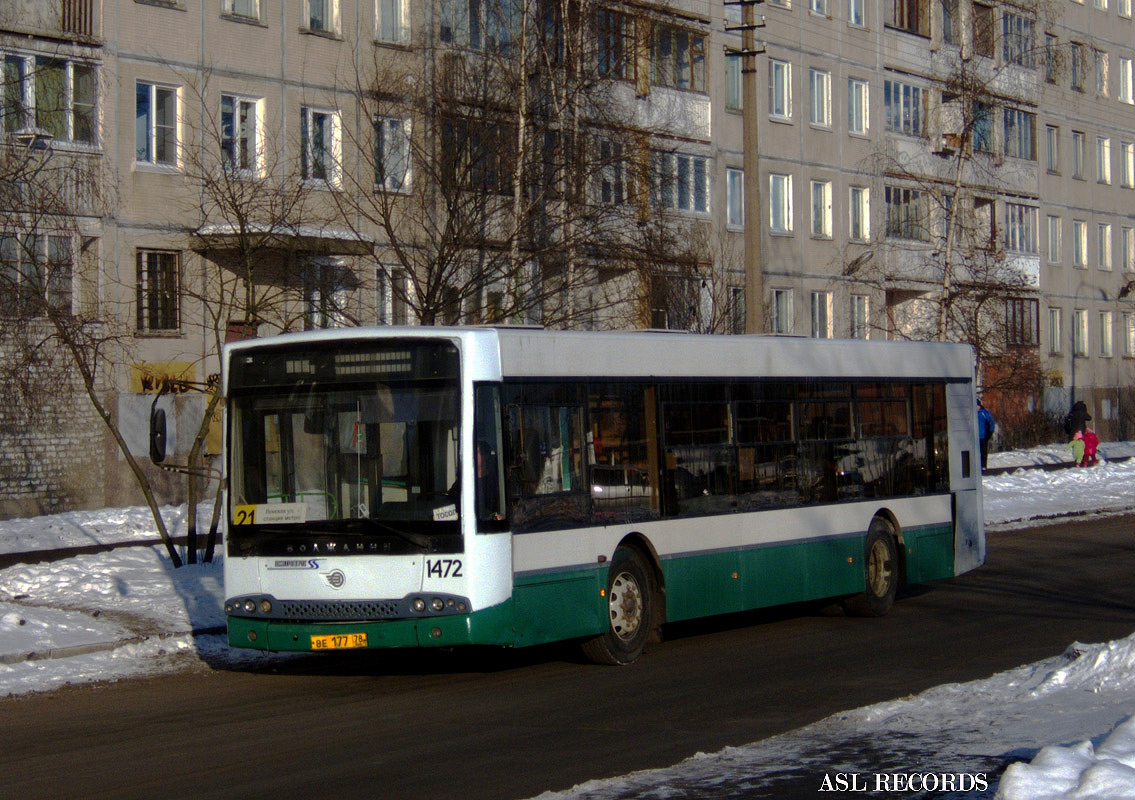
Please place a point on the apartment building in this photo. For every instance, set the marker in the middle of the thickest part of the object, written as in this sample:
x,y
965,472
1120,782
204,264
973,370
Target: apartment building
x,y
268,165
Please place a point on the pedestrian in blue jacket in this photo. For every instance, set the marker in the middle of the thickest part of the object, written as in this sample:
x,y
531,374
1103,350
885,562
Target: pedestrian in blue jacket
x,y
985,428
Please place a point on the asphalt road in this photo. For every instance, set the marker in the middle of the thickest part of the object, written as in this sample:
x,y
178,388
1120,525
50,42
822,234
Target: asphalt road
x,y
504,725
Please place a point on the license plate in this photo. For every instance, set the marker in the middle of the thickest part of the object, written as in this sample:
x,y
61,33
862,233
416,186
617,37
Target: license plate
x,y
338,641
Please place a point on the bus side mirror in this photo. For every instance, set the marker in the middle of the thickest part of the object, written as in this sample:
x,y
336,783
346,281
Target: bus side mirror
x,y
157,435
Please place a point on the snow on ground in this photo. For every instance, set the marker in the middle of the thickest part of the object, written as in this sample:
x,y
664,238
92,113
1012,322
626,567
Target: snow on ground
x,y
126,612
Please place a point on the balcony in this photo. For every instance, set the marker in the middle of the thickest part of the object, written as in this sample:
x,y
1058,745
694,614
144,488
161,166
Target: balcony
x,y
79,18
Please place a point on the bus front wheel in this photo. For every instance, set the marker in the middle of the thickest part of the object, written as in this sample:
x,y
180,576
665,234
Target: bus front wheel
x,y
630,599
882,573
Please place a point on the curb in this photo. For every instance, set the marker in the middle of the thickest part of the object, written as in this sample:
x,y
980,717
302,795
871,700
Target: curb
x,y
98,647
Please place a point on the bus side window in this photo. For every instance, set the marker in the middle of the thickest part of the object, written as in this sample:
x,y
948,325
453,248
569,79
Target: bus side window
x,y
544,448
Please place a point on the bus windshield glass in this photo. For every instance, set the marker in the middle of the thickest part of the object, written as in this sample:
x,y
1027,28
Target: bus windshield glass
x,y
358,443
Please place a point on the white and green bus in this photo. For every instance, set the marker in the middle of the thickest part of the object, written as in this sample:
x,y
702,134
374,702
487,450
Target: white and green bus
x,y
436,487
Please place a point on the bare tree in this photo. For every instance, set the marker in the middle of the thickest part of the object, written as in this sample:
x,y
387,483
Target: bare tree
x,y
950,270
502,173
50,319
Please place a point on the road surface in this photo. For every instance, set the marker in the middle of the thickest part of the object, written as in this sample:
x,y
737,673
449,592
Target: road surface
x,y
488,724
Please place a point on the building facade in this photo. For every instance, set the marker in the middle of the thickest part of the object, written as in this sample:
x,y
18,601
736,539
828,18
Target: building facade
x,y
228,168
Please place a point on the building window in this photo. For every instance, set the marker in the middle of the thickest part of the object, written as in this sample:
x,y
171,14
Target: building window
x,y
906,214
1103,159
1103,245
1021,321
249,9
983,121
613,185
1127,236
735,187
323,16
1021,228
1107,346
1127,164
860,316
1080,332
1079,244
859,213
1124,8
1020,134
907,15
678,58
1077,65
822,209
156,124
734,96
159,290
681,182
1051,45
392,153
54,94
818,7
1017,40
858,115
855,13
984,30
324,296
1054,240
616,47
822,315
1126,86
736,310
903,107
1055,330
1101,72
780,89
780,203
481,24
476,155
392,21
820,90
240,135
1052,141
319,145
782,311
1128,334
1078,154
37,273
949,21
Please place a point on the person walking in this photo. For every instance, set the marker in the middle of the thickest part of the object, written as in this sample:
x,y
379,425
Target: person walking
x,y
1091,444
985,427
1077,445
1078,418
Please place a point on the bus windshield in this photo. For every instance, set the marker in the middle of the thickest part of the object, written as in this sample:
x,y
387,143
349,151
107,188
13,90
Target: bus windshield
x,y
363,448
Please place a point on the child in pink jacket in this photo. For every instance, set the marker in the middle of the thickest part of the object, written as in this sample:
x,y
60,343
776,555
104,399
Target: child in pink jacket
x,y
1091,442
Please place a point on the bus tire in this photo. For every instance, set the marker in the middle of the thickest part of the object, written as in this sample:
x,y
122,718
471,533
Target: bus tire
x,y
630,611
881,568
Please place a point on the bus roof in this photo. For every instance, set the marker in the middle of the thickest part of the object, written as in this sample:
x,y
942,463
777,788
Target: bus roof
x,y
537,353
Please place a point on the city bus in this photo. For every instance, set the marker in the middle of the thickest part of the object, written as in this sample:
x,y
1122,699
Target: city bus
x,y
438,487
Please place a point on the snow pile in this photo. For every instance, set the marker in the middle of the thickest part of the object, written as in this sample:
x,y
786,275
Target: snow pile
x,y
1080,771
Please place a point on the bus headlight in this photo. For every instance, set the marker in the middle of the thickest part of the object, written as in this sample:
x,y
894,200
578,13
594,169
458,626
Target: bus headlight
x,y
418,604
265,607
437,604
250,606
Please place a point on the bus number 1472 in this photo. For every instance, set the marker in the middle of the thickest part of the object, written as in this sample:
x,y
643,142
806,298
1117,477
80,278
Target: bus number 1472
x,y
443,568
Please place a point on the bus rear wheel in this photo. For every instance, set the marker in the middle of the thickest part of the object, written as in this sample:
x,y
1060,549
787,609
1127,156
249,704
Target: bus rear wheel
x,y
882,573
630,611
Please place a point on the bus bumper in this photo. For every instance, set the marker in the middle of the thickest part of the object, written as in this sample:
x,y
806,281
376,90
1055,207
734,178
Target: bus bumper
x,y
488,626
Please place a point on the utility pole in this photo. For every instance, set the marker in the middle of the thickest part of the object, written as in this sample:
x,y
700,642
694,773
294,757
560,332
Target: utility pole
x,y
751,187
